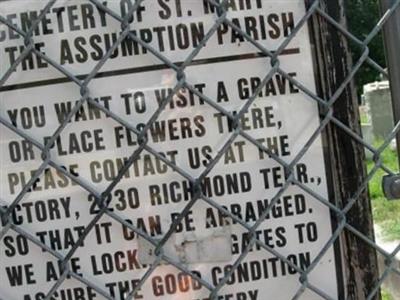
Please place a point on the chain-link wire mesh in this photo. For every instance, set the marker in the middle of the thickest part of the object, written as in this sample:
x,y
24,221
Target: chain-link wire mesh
x,y
314,10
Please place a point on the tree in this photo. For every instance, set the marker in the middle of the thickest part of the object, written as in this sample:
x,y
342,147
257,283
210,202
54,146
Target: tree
x,y
362,17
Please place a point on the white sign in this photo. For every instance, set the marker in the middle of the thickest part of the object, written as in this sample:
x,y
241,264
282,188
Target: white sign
x,y
189,132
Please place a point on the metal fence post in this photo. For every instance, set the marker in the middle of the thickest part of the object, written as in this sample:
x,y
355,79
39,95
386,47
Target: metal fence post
x,y
391,34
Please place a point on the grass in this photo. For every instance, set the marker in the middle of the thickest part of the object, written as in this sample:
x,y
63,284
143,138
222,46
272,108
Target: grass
x,y
386,296
386,213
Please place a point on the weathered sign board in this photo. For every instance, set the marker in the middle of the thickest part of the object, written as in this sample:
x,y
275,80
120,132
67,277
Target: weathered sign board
x,y
189,132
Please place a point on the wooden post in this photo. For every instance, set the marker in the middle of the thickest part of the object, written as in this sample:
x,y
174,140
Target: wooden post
x,y
345,157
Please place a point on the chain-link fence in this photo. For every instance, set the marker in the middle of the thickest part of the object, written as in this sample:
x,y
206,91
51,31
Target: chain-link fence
x,y
342,210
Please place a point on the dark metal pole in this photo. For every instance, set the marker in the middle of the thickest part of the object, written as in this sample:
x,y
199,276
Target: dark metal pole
x,y
391,32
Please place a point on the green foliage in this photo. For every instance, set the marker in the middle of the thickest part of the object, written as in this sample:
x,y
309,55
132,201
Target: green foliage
x,y
362,17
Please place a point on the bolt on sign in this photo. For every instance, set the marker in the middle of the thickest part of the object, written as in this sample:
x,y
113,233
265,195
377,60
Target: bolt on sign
x,y
186,100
